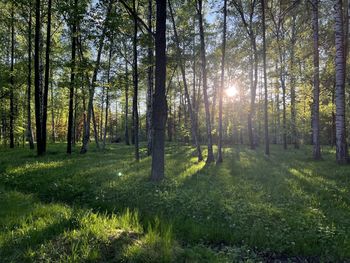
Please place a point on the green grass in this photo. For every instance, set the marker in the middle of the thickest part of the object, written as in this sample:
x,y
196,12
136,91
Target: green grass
x,y
101,207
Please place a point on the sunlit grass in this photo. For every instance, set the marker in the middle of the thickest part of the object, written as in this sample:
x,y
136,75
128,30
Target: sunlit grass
x,y
102,207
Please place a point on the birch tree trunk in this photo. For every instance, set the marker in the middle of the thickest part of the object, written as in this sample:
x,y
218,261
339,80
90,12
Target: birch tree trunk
x,y
136,84
12,83
341,146
316,91
266,120
29,110
126,132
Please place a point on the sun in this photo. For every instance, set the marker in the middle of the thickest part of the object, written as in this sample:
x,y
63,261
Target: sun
x,y
231,91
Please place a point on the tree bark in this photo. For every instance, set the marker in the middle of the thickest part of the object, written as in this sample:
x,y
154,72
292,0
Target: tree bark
x,y
126,132
150,77
29,89
341,145
210,157
295,139
136,84
222,84
47,76
12,83
72,80
107,95
159,113
37,73
316,90
266,120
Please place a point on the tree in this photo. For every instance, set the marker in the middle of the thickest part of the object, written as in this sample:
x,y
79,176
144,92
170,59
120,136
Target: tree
x,y
86,136
316,91
38,96
253,58
199,6
219,160
47,77
184,80
135,76
29,80
150,77
72,78
266,120
12,82
341,145
159,113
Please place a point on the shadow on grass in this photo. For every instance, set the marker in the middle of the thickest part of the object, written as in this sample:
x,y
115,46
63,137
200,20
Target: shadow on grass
x,y
280,203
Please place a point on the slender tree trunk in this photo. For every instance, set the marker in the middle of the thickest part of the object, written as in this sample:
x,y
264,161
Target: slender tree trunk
x,y
316,91
187,95
149,82
107,95
283,86
126,132
86,136
341,145
29,110
95,127
136,84
102,111
222,84
53,126
72,81
266,120
47,76
159,113
295,139
210,157
37,77
12,83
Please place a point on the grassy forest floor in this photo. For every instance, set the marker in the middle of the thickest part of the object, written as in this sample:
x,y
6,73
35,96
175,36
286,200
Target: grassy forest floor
x,y
101,207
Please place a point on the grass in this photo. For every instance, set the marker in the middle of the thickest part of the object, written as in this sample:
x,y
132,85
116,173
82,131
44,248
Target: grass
x,y
100,207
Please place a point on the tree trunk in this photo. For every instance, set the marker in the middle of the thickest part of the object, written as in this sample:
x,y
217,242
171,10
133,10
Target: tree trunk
x,y
316,91
266,120
53,129
136,84
295,139
72,81
102,111
107,95
222,84
95,127
47,76
283,86
210,157
159,113
190,107
126,132
37,77
86,136
12,83
149,82
29,110
341,146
